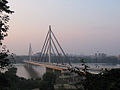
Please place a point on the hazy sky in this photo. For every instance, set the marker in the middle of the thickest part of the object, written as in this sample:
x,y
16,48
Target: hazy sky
x,y
81,26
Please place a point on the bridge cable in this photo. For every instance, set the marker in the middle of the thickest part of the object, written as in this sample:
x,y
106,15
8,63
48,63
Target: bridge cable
x,y
44,44
44,50
56,49
54,54
46,54
60,47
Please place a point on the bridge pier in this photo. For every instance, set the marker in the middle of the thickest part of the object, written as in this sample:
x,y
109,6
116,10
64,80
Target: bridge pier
x,y
58,72
28,65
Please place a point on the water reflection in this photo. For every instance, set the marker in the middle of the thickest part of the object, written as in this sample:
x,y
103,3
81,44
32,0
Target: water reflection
x,y
29,72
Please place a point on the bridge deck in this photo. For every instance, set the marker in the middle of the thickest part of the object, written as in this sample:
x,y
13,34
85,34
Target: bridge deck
x,y
46,65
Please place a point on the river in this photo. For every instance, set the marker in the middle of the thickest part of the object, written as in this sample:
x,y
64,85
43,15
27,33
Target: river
x,y
35,71
38,71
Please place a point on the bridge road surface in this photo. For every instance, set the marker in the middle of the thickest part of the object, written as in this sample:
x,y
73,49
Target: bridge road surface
x,y
47,65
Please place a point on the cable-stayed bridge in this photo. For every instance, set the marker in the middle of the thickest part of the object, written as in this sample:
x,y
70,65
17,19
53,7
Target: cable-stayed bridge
x,y
52,55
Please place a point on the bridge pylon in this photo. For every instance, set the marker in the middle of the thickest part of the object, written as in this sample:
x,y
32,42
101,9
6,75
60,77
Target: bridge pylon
x,y
49,44
52,52
30,52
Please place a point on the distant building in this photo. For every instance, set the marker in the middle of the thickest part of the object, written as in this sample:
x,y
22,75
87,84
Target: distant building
x,y
119,57
100,55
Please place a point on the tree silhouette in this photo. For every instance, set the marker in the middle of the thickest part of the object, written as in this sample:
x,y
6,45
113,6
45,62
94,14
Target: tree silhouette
x,y
4,27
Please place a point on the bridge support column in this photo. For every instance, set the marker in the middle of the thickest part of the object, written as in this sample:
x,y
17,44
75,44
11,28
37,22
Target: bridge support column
x,y
58,72
28,65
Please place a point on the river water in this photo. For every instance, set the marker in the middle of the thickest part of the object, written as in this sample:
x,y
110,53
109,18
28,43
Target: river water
x,y
38,71
35,71
99,65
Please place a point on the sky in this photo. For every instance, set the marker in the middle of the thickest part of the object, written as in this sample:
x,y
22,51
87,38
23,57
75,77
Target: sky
x,y
82,27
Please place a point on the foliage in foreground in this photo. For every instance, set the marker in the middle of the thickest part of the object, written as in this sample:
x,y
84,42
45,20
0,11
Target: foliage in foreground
x,y
4,27
106,80
9,81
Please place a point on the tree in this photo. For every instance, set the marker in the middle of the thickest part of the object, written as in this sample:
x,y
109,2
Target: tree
x,y
4,27
105,80
48,81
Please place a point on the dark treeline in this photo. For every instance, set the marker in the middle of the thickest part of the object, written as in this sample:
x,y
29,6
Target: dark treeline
x,y
71,58
91,59
106,80
10,81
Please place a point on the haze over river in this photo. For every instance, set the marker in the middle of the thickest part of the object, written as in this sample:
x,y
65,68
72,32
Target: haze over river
x,y
30,72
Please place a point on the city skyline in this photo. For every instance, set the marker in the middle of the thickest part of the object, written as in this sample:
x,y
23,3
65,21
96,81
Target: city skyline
x,y
81,27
